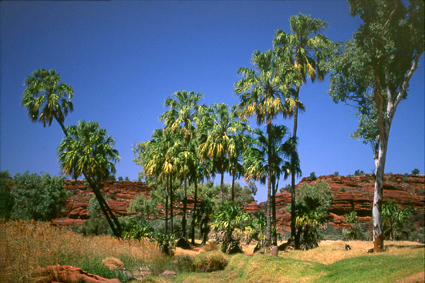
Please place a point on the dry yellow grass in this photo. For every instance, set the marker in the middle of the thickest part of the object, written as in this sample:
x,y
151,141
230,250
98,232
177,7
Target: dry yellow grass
x,y
329,252
30,245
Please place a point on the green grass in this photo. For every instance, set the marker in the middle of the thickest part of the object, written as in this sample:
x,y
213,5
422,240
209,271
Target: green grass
x,y
263,268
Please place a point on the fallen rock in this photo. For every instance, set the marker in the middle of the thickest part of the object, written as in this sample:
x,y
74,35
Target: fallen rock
x,y
168,273
68,274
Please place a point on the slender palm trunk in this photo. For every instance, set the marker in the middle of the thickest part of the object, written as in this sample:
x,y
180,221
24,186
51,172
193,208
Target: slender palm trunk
x,y
293,214
194,213
274,184
166,205
61,125
222,185
269,177
107,212
171,206
184,206
233,185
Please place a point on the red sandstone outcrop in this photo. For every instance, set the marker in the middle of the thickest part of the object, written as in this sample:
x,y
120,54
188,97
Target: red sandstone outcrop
x,y
68,274
355,193
350,194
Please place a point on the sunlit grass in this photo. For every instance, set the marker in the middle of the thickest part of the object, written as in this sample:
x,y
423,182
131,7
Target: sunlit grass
x,y
25,246
30,245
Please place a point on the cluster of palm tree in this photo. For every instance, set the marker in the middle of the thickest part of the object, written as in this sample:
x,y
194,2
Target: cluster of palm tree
x,y
199,142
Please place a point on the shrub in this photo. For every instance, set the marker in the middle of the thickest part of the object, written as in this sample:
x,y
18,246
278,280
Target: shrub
x,y
210,261
418,236
405,179
38,197
183,264
6,198
394,219
312,204
342,189
415,171
336,173
95,226
313,176
359,172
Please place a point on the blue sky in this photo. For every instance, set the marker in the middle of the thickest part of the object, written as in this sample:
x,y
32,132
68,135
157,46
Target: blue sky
x,y
124,58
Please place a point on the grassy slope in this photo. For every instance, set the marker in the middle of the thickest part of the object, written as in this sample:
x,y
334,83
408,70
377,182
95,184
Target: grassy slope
x,y
328,263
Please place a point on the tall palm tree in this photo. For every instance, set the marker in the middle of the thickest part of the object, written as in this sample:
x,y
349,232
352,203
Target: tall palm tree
x,y
46,98
304,47
262,94
88,151
182,112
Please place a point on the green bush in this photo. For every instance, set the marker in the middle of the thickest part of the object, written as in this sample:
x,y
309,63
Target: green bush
x,y
6,198
359,172
336,173
313,176
38,197
342,189
209,261
183,264
95,226
418,236
415,171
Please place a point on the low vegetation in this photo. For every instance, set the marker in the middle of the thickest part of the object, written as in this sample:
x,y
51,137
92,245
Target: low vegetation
x,y
29,245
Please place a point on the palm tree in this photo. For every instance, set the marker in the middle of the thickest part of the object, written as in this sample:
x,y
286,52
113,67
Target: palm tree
x,y
304,48
47,98
221,140
183,109
262,94
257,161
158,160
88,151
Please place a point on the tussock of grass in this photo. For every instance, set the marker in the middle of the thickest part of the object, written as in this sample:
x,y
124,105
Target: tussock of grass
x,y
210,261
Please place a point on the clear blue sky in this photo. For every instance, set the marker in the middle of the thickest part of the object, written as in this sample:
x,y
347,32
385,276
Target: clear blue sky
x,y
123,60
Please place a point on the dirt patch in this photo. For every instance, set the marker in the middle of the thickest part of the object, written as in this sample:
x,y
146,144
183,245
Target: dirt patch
x,y
417,277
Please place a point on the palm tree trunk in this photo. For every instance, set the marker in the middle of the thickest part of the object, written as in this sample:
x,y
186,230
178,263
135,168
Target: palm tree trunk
x,y
60,124
166,205
105,208
184,206
293,214
221,186
171,206
269,177
194,213
274,212
233,186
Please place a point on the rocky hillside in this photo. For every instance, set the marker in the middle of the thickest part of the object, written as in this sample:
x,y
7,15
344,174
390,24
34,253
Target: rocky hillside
x,y
350,194
355,193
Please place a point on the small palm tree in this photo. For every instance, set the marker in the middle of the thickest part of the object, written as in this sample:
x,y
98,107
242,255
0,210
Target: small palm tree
x,y
88,151
47,98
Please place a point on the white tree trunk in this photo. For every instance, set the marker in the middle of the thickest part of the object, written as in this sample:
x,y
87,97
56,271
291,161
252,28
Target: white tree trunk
x,y
378,230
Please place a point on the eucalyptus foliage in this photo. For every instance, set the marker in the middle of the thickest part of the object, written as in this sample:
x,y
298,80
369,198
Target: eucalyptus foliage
x,y
372,71
38,197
